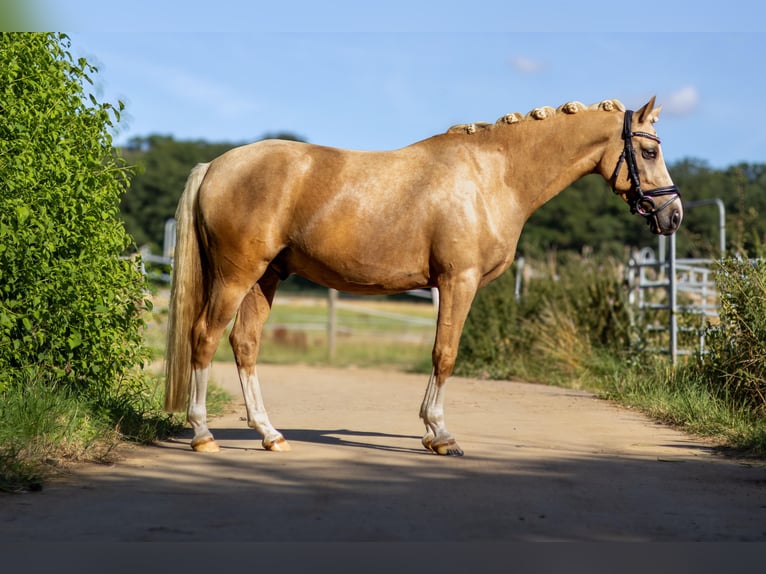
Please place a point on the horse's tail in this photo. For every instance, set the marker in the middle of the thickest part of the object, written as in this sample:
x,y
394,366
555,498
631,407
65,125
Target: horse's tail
x,y
186,295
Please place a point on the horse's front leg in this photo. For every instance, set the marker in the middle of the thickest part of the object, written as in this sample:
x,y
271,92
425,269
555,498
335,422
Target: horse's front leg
x,y
455,297
437,438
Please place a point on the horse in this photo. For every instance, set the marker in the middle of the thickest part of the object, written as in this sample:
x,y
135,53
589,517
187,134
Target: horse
x,y
444,212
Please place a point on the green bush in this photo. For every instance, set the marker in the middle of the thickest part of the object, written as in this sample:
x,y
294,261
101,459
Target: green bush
x,y
553,330
491,334
69,305
71,308
736,362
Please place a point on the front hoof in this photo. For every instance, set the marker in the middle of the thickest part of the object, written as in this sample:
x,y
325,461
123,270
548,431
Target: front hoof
x,y
427,442
450,448
206,444
279,445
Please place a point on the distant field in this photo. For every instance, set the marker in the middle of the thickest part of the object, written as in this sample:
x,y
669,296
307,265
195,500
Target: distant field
x,y
370,332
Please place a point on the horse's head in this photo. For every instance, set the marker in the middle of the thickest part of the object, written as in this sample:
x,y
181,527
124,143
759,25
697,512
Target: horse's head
x,y
645,183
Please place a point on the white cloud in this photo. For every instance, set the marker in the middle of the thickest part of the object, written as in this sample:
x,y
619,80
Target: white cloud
x,y
682,102
526,65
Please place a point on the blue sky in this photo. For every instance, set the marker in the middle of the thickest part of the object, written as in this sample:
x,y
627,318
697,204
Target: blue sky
x,y
367,75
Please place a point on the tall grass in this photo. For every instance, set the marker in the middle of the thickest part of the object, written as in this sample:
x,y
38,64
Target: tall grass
x,y
42,426
685,398
576,331
552,332
736,364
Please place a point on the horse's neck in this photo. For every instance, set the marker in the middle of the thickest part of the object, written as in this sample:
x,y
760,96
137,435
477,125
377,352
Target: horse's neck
x,y
546,156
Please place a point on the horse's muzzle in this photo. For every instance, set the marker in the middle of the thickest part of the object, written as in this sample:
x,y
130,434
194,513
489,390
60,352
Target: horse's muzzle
x,y
668,220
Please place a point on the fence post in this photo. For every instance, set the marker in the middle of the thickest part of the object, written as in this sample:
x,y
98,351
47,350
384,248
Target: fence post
x,y
721,219
332,323
673,292
169,240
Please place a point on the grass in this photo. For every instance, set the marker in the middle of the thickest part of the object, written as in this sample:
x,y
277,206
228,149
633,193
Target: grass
x,y
682,398
371,332
576,332
42,427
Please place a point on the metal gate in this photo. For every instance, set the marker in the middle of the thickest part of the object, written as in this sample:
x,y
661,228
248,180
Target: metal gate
x,y
676,297
675,300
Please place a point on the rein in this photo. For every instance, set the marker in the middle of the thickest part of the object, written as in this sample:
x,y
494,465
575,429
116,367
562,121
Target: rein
x,y
640,200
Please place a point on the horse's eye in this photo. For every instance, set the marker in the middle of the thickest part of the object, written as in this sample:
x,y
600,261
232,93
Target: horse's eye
x,y
649,153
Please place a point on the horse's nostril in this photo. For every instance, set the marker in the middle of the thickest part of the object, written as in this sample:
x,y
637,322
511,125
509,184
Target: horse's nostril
x,y
675,219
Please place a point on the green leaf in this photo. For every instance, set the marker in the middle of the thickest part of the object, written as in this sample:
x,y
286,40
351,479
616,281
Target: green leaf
x,y
74,340
22,214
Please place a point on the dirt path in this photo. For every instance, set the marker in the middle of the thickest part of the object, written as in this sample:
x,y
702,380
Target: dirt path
x,y
541,463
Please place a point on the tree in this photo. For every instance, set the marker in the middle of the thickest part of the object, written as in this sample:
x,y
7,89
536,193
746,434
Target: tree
x,y
70,307
588,215
163,165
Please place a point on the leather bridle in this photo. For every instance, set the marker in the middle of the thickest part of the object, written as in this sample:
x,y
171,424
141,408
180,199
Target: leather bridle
x,y
640,201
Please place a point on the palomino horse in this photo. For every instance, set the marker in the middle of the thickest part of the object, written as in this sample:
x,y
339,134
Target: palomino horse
x,y
444,212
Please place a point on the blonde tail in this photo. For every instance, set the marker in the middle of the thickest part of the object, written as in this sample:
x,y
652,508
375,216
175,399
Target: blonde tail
x,y
186,296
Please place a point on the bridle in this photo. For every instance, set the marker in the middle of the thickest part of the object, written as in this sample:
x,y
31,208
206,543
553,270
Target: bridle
x,y
640,201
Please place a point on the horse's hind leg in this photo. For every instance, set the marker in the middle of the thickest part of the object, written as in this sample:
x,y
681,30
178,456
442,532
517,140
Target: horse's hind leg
x,y
245,340
455,297
206,334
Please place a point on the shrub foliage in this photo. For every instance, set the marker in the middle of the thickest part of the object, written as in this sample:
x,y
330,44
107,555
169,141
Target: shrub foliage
x,y
554,327
70,307
736,364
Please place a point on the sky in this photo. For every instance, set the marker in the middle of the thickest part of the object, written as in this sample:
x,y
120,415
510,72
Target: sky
x,y
382,75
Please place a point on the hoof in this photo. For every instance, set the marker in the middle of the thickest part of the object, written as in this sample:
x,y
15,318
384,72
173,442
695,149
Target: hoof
x,y
279,445
450,448
427,440
206,444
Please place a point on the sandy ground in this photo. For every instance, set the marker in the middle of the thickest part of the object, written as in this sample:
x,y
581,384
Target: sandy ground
x,y
541,463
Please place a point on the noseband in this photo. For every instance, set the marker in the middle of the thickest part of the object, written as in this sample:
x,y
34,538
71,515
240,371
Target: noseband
x,y
638,198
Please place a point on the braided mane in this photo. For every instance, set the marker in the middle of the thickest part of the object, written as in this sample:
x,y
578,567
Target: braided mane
x,y
541,113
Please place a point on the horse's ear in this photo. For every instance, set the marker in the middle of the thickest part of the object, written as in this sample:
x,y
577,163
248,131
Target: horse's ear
x,y
649,112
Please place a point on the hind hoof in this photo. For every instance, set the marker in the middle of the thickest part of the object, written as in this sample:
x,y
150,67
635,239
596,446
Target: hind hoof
x,y
206,444
279,445
450,448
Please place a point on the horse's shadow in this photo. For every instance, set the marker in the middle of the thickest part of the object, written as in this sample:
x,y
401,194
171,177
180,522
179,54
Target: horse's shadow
x,y
335,437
